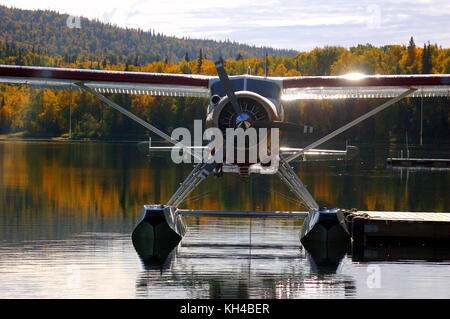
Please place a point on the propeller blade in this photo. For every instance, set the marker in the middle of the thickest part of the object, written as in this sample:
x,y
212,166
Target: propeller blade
x,y
223,76
281,125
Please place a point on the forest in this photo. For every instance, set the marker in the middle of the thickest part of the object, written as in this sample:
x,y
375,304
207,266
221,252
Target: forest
x,y
45,113
48,31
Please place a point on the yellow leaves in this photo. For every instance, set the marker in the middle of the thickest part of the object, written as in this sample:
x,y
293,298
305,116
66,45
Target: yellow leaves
x,y
208,67
346,63
446,66
292,72
140,104
171,68
280,70
7,113
156,67
185,67
411,60
441,61
13,102
51,112
51,106
366,60
260,71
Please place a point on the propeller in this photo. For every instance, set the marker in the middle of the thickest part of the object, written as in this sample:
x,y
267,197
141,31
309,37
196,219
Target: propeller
x,y
223,76
243,119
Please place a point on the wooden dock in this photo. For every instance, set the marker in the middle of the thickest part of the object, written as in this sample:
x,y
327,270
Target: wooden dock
x,y
418,162
382,226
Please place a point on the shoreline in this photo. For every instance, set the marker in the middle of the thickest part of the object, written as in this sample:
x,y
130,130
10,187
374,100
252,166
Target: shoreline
x,y
67,140
6,138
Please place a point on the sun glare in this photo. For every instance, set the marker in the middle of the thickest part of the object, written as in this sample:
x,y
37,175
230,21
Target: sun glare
x,y
354,76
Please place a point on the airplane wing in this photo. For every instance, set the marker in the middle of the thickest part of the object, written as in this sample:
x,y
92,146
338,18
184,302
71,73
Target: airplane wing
x,y
364,86
104,81
293,88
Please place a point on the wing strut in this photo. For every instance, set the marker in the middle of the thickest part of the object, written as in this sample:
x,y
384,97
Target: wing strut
x,y
351,124
294,183
138,119
197,175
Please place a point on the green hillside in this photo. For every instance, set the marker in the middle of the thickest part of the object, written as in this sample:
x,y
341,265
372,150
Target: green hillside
x,y
47,31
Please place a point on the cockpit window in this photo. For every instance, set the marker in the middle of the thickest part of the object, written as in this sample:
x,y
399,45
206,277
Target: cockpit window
x,y
265,88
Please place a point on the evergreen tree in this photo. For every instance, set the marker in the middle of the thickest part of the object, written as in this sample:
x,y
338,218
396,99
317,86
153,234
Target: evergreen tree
x,y
411,51
426,59
411,65
200,61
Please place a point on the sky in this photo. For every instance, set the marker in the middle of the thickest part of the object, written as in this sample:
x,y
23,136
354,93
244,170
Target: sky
x,y
290,24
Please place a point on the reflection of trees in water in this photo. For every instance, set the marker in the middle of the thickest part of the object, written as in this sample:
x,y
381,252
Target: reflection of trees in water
x,y
81,184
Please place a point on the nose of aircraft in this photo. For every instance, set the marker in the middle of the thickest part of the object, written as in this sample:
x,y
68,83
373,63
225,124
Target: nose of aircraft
x,y
243,120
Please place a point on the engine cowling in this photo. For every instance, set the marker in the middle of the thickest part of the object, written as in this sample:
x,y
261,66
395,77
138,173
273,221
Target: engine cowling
x,y
253,106
257,107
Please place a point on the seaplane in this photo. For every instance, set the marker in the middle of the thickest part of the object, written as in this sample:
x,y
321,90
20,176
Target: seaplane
x,y
236,102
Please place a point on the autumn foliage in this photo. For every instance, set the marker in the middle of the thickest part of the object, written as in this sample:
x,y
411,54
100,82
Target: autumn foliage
x,y
48,113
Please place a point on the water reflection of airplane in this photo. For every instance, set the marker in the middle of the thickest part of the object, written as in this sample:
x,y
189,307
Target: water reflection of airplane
x,y
246,102
199,268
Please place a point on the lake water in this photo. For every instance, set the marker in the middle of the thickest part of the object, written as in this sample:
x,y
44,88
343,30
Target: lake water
x,y
67,211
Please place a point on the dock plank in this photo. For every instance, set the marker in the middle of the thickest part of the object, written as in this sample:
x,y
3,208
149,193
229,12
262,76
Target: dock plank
x,y
416,216
419,162
375,226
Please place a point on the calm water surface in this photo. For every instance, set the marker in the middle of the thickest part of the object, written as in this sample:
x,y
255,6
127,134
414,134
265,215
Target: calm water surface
x,y
67,211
